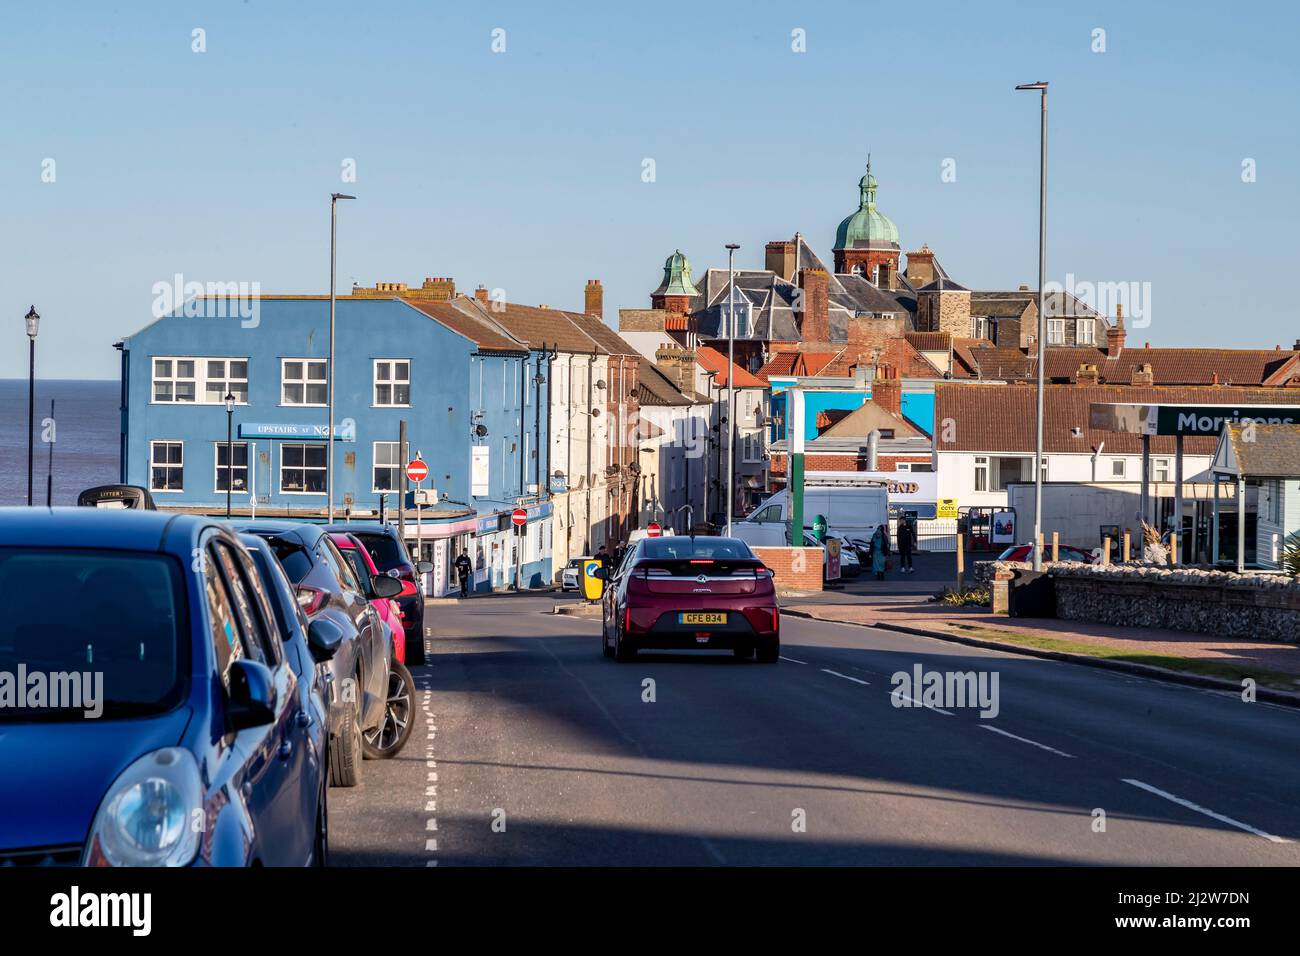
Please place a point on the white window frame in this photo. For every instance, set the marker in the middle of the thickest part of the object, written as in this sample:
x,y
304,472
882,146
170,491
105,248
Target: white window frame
x,y
304,382
392,382
395,467
279,474
199,379
219,469
1056,331
982,466
1122,465
1091,337
1159,466
181,465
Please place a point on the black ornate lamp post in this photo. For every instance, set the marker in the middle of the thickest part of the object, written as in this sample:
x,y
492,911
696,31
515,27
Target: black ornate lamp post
x,y
230,449
33,321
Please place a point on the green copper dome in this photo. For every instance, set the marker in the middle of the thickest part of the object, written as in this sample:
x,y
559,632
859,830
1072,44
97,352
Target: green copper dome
x,y
677,277
868,227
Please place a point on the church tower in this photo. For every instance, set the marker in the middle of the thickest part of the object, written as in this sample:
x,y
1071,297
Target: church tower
x,y
866,243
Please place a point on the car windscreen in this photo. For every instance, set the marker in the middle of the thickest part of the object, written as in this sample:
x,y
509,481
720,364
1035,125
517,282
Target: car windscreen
x,y
122,648
684,548
384,551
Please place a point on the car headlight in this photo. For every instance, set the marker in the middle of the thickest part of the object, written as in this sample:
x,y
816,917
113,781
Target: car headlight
x,y
152,815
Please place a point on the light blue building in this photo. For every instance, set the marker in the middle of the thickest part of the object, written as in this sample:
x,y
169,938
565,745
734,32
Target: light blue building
x,y
474,400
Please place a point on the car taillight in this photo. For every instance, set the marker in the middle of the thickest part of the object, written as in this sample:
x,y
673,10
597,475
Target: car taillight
x,y
311,599
627,619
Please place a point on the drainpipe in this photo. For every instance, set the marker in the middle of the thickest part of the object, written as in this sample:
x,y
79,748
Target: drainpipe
x,y
523,424
550,414
591,371
537,422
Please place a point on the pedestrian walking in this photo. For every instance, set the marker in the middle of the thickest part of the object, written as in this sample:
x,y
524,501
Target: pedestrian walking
x,y
905,541
463,568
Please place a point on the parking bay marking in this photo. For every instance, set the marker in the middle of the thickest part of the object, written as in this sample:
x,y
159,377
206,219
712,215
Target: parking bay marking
x,y
1200,809
1026,740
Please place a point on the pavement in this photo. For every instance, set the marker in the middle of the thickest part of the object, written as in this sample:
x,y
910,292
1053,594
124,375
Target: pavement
x,y
534,749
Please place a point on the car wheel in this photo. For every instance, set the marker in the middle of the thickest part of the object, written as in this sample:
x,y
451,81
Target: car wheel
x,y
320,855
345,749
623,651
604,637
388,739
744,653
769,652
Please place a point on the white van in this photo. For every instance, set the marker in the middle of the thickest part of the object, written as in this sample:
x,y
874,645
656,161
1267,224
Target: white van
x,y
851,512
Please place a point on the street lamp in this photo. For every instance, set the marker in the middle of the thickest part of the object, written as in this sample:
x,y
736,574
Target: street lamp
x,y
33,321
731,380
329,385
230,449
1041,87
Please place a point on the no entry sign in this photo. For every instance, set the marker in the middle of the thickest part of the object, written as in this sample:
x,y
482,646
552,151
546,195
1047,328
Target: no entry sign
x,y
417,470
519,517
653,530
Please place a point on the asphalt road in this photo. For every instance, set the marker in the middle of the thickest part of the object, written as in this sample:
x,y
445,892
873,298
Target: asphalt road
x,y
533,749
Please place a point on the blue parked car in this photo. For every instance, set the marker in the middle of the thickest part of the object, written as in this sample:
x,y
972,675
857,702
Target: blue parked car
x,y
158,704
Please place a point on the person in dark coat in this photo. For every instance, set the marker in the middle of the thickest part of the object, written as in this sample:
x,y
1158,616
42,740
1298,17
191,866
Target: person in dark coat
x,y
463,567
905,535
879,544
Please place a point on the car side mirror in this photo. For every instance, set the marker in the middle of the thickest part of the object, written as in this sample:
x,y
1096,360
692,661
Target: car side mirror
x,y
324,638
385,587
251,699
425,567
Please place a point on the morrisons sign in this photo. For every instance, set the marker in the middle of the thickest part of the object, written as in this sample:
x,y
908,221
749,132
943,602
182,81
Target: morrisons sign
x,y
1186,419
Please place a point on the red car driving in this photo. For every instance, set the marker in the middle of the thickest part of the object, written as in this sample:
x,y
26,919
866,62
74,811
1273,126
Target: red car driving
x,y
690,592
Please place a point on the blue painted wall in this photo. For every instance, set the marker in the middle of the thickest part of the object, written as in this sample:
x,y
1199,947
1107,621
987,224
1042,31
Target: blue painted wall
x,y
917,407
449,382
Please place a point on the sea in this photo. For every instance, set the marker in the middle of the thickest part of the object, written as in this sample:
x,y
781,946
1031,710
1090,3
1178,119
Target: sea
x,y
86,433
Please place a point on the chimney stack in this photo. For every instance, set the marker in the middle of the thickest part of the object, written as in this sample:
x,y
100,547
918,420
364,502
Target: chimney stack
x,y
1087,375
481,294
1115,334
887,389
678,366
920,266
779,258
815,321
594,299
1142,375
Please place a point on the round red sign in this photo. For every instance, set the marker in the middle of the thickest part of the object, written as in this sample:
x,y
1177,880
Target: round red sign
x,y
653,530
417,470
519,516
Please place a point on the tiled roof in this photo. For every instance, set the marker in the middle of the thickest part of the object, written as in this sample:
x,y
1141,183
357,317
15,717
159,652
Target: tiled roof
x,y
653,388
478,329
929,341
899,353
994,418
607,338
533,326
1266,451
1175,366
714,361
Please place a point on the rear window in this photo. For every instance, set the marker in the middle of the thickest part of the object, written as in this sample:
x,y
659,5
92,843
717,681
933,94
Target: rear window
x,y
125,648
293,558
682,547
384,551
357,563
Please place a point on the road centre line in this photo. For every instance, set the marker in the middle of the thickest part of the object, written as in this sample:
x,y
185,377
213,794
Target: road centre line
x,y
827,670
1026,740
1200,809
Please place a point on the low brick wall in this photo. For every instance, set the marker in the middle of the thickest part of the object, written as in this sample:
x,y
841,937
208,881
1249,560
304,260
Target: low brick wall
x,y
1258,606
795,570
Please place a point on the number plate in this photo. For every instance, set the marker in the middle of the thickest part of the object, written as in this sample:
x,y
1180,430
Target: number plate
x,y
703,617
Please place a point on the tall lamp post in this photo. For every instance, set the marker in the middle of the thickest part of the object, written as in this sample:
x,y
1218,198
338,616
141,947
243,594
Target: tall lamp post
x,y
230,449
731,383
33,321
1041,87
329,385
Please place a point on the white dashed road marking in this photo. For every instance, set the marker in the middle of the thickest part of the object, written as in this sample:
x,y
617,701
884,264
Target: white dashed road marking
x,y
1200,809
1026,740
827,670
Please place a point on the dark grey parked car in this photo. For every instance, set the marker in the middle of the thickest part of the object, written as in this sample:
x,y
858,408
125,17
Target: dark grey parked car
x,y
326,587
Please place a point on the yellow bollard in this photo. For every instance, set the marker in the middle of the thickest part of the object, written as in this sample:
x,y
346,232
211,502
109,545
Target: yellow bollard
x,y
1105,550
1126,546
1056,546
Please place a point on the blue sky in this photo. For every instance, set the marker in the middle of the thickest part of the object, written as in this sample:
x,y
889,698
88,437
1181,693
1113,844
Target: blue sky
x,y
523,170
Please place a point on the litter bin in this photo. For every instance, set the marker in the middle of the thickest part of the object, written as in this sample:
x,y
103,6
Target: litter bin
x,y
1031,594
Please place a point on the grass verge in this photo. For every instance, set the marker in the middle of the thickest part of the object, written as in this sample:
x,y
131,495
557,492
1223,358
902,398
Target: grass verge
x,y
1278,680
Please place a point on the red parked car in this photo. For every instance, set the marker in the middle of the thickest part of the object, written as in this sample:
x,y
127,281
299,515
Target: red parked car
x,y
399,705
690,592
